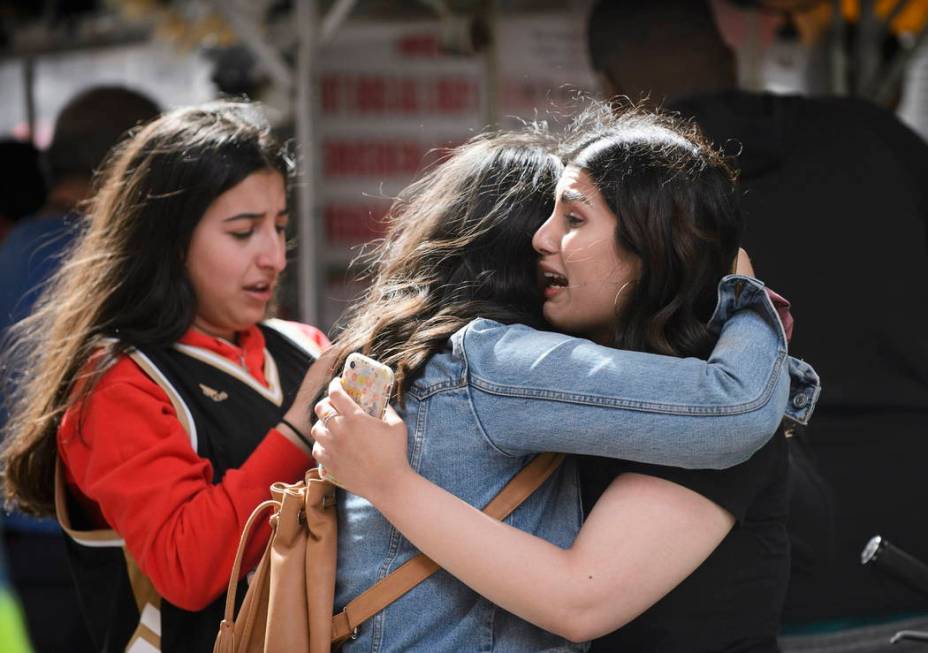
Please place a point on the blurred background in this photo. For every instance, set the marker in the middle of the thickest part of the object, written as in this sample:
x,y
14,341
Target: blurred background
x,y
369,91
368,88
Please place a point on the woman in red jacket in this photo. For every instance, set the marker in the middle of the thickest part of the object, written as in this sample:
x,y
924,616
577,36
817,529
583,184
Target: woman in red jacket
x,y
160,405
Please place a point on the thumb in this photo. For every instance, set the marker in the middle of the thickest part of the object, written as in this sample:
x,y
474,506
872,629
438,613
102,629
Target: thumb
x,y
342,401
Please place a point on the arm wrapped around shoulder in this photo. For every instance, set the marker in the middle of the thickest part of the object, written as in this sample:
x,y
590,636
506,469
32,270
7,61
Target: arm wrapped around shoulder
x,y
535,391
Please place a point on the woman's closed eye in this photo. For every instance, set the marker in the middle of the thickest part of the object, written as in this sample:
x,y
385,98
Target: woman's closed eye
x,y
242,235
573,220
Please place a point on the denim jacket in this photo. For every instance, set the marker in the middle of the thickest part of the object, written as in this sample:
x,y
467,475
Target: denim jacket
x,y
498,394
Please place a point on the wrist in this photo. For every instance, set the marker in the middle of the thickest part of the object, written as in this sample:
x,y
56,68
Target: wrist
x,y
300,419
390,487
293,433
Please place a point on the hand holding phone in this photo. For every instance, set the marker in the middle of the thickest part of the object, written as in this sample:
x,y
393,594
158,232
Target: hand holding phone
x,y
370,384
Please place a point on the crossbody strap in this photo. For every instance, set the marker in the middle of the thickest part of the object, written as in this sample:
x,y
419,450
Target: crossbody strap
x,y
408,575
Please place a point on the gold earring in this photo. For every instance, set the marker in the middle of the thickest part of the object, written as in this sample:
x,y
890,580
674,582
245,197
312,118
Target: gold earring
x,y
615,302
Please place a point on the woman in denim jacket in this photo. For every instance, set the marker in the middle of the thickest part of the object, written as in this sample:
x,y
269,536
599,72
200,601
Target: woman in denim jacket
x,y
480,397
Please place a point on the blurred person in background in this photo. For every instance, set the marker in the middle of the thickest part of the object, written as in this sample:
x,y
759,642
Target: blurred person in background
x,y
835,197
22,187
88,126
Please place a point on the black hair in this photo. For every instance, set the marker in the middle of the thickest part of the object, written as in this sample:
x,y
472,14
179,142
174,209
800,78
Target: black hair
x,y
153,196
678,212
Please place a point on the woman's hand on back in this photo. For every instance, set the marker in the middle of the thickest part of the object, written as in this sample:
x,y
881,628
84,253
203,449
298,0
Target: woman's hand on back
x,y
310,389
364,453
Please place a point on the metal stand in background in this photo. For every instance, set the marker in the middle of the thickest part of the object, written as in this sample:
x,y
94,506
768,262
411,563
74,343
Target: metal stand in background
x,y
29,94
305,111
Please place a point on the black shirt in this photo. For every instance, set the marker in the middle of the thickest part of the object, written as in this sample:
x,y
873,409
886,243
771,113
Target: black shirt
x,y
732,602
835,200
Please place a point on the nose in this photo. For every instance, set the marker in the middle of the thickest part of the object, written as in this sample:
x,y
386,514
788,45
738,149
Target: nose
x,y
272,252
545,241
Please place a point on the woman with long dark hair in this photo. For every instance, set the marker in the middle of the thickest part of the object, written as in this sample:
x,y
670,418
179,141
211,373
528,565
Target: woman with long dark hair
x,y
644,228
158,403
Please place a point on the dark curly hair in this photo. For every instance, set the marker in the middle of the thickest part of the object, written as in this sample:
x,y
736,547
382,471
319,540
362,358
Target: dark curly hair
x,y
675,199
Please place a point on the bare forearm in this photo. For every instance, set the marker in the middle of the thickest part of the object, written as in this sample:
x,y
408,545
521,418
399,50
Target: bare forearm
x,y
644,536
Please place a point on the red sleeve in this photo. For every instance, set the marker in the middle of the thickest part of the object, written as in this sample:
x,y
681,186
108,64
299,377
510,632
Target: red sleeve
x,y
133,458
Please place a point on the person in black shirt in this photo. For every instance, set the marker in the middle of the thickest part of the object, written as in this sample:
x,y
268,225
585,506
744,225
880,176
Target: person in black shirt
x,y
732,601
835,198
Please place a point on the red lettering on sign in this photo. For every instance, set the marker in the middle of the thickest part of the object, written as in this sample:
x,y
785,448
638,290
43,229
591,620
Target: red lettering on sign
x,y
372,94
372,158
418,45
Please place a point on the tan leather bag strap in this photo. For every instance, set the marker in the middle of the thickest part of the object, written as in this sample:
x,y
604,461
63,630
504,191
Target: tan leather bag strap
x,y
229,614
408,575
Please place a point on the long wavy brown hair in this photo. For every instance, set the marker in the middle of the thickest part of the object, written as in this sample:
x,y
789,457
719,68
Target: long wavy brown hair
x,y
458,246
125,277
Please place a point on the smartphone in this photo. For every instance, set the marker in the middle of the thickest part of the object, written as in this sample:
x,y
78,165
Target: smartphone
x,y
370,384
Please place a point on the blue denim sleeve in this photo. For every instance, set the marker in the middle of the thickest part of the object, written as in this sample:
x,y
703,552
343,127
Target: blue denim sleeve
x,y
535,391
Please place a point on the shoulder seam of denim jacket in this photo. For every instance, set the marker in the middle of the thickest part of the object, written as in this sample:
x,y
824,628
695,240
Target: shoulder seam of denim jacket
x,y
523,392
422,390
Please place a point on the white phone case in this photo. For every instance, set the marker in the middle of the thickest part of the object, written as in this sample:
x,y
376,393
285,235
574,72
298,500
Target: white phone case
x,y
370,384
